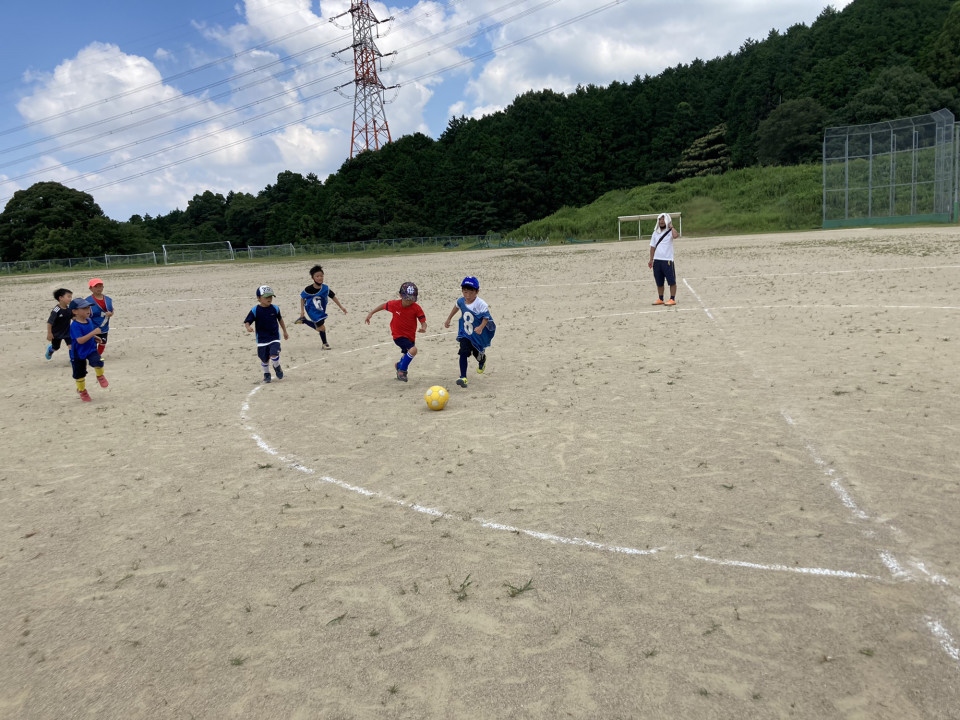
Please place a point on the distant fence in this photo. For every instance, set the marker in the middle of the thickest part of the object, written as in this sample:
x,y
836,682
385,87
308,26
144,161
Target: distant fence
x,y
897,171
99,262
443,242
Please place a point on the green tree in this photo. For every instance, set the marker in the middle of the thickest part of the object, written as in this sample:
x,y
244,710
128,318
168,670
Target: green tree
x,y
50,220
792,134
896,92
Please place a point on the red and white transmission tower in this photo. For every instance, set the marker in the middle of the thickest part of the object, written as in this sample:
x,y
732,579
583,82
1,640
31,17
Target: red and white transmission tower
x,y
370,129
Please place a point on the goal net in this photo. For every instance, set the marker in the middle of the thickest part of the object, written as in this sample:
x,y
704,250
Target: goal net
x,y
265,251
639,220
197,252
149,258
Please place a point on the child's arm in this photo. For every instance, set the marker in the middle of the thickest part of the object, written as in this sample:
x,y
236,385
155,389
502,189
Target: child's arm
x,y
479,328
92,333
284,328
423,324
303,308
248,326
49,332
377,309
334,298
453,312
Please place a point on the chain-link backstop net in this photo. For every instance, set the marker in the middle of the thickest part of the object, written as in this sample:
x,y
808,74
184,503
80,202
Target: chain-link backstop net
x,y
897,171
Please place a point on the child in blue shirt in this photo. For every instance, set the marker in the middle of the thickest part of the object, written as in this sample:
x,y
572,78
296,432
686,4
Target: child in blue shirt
x,y
83,348
101,307
476,327
313,305
266,317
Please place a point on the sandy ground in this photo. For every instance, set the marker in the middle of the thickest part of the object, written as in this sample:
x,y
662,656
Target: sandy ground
x,y
747,506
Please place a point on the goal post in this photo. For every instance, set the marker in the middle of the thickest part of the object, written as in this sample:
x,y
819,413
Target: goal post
x,y
197,252
149,258
638,219
266,251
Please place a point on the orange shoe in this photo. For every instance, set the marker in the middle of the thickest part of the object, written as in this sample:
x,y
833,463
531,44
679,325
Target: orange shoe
x,y
659,302
671,301
103,381
85,396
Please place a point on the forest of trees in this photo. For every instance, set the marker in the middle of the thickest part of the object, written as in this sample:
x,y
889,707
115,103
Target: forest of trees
x,y
766,104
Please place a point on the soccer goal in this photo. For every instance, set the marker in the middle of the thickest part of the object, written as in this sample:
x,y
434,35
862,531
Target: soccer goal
x,y
149,258
265,251
638,219
197,252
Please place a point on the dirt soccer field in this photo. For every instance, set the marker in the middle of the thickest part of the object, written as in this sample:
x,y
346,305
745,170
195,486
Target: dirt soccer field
x,y
747,506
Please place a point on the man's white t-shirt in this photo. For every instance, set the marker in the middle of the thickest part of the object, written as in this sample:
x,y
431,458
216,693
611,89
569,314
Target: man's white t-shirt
x,y
664,249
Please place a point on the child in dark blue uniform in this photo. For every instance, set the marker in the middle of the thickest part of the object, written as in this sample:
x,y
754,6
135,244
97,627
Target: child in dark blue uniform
x,y
83,349
476,328
313,305
266,317
58,325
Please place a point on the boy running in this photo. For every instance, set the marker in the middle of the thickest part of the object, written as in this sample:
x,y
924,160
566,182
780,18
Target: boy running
x,y
83,349
266,316
403,325
102,307
313,305
476,328
58,324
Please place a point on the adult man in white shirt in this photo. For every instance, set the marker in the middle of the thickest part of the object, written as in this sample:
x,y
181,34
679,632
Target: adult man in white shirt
x,y
661,258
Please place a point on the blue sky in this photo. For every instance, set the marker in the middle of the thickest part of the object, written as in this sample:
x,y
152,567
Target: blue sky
x,y
145,104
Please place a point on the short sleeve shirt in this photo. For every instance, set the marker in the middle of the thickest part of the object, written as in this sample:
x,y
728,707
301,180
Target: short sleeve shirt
x,y
403,321
266,322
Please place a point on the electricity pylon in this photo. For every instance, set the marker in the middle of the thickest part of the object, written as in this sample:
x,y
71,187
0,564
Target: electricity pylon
x,y
370,130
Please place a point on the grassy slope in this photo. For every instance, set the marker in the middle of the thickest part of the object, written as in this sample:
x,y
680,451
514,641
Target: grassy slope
x,y
754,200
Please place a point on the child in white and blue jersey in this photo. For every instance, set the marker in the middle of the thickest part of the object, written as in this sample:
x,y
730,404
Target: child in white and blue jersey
x,y
313,305
268,321
476,327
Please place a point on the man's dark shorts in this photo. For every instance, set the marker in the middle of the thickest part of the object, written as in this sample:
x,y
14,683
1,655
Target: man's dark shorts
x,y
664,270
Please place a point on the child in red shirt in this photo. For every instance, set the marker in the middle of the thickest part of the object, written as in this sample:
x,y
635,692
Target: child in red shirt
x,y
406,313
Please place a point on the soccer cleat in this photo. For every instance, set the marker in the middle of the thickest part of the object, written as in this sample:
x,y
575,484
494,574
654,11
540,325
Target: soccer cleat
x,y
659,302
482,359
402,375
49,353
103,381
671,301
279,372
462,382
85,396
266,377
326,346
298,321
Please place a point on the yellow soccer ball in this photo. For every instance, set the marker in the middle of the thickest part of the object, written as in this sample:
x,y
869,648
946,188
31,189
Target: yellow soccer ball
x,y
436,397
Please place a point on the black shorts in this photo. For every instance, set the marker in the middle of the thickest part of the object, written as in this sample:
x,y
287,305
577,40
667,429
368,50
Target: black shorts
x,y
404,343
664,270
266,352
55,343
467,348
80,366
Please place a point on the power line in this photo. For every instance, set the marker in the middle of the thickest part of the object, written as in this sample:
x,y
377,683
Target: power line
x,y
452,43
241,141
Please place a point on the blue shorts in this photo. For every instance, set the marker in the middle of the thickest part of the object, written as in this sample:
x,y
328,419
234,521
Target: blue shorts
x,y
404,343
265,352
664,270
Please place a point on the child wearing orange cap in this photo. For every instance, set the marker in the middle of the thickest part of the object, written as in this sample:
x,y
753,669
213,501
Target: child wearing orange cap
x,y
102,307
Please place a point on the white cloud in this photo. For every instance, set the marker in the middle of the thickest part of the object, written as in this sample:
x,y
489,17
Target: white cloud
x,y
444,67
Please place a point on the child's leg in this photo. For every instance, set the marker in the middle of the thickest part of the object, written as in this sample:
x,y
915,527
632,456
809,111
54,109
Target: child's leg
x,y
275,359
79,373
101,343
407,358
97,364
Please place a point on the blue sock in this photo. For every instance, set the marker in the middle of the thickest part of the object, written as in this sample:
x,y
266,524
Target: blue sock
x,y
463,366
405,362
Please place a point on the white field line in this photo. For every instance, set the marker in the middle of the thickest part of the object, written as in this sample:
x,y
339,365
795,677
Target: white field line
x,y
536,534
896,570
826,272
